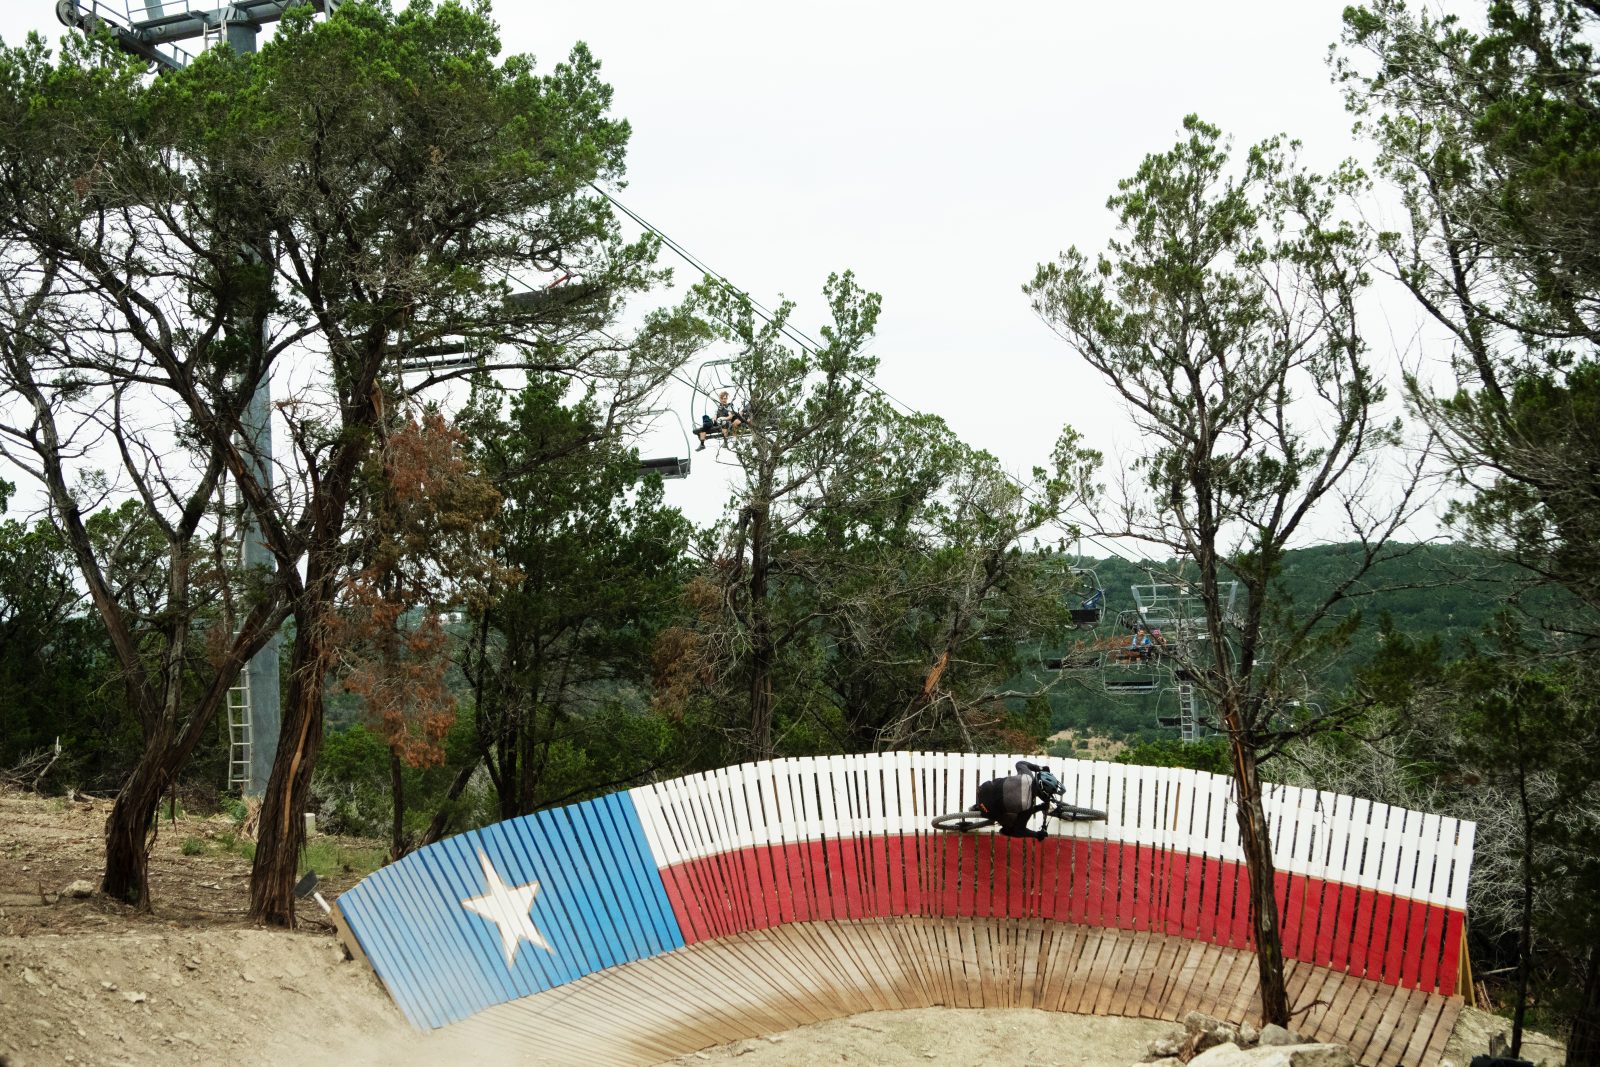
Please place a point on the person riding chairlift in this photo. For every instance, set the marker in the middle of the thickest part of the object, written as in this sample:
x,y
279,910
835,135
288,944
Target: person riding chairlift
x,y
726,421
1013,800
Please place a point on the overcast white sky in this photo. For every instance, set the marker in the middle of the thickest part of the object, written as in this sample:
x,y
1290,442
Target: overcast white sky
x,y
939,150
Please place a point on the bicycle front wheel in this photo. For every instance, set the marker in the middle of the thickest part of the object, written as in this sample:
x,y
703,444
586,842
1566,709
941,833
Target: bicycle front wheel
x,y
1072,813
962,821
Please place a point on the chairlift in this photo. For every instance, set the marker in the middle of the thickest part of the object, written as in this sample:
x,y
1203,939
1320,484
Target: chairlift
x,y
1131,685
1078,658
711,379
1092,603
455,354
1132,668
671,466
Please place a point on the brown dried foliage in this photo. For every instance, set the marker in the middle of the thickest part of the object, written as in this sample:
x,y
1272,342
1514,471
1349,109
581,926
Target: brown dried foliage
x,y
427,537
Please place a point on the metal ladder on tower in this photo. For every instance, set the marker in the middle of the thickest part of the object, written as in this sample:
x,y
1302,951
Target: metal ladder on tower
x,y
1188,711
240,725
239,733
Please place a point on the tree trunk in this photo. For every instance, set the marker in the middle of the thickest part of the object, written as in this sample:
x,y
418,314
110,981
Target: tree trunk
x,y
762,654
129,826
441,818
281,833
397,786
1524,937
1583,1043
503,762
1255,840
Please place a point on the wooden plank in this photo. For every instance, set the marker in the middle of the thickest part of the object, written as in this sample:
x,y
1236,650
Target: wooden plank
x,y
1030,939
1176,994
1427,1017
1295,976
1213,987
944,966
1113,947
795,944
1410,1001
884,974
1383,1032
903,940
1116,965
987,956
1077,985
899,984
1441,1032
1133,969
727,977
810,945
940,967
1066,942
1320,990
1148,993
1138,987
1337,1024
762,981
1246,1002
835,938
1377,1001
1232,969
1193,996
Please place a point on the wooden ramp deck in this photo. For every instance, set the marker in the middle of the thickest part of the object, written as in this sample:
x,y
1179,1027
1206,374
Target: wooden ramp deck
x,y
763,982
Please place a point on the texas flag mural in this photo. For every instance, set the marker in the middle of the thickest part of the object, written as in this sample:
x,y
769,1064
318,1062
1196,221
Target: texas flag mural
x,y
497,914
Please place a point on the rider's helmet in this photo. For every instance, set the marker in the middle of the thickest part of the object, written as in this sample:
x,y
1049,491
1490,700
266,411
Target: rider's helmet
x,y
1045,784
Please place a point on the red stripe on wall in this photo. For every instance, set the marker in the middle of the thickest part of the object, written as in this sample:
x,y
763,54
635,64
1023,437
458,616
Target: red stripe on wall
x,y
1097,883
1450,953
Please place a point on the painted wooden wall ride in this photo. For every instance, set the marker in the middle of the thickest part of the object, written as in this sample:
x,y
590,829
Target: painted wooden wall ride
x,y
592,899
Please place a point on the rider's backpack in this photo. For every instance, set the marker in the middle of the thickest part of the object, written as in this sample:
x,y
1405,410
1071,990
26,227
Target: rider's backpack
x,y
1011,795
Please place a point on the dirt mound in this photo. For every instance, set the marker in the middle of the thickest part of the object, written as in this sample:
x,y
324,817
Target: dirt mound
x,y
149,996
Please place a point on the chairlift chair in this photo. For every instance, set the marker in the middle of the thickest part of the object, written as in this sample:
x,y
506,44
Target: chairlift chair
x,y
711,378
1168,712
672,466
1092,605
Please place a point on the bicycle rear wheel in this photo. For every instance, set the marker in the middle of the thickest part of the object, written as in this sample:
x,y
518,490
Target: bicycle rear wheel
x,y
962,821
1072,813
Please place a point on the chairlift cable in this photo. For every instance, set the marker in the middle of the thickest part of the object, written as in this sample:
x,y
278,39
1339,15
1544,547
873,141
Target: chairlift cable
x,y
810,345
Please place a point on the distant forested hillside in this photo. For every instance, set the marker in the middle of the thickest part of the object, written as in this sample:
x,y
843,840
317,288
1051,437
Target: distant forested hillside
x,y
1444,592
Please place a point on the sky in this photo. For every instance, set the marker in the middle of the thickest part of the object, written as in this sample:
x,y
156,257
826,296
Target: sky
x,y
940,151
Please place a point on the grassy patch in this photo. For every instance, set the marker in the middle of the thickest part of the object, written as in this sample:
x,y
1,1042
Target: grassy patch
x,y
331,855
239,846
192,846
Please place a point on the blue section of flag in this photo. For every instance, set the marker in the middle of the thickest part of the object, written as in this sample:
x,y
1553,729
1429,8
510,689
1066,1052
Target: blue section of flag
x,y
600,902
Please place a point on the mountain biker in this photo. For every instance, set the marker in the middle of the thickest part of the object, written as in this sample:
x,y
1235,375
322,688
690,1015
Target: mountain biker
x,y
1013,800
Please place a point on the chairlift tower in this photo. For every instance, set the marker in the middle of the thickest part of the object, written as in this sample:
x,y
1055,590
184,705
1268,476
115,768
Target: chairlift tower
x,y
154,30
1177,609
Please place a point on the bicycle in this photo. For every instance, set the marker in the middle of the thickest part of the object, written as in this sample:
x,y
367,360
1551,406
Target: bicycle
x,y
972,819
1047,787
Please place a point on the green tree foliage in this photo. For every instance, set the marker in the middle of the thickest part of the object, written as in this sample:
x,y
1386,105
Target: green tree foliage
x,y
357,190
50,657
1224,316
1210,754
866,588
1442,593
558,655
90,321
1492,137
1493,140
